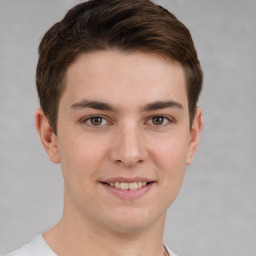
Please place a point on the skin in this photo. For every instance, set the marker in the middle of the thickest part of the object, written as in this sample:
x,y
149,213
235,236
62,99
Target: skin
x,y
135,137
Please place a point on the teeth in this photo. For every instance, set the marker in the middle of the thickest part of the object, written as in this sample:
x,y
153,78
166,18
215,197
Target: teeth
x,y
139,184
133,186
117,184
126,186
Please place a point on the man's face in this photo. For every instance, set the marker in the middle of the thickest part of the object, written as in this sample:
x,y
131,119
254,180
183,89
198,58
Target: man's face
x,y
123,138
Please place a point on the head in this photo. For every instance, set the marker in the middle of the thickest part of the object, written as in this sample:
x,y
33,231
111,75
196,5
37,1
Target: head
x,y
128,26
118,83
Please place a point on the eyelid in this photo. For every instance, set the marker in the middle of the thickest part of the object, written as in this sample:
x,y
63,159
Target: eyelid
x,y
168,118
85,120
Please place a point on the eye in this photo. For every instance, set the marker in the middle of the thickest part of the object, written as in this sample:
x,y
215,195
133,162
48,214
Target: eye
x,y
159,120
95,121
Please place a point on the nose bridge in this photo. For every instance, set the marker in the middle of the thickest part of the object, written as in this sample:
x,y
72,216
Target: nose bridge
x,y
129,147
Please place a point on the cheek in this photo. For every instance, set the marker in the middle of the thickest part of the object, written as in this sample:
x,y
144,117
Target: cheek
x,y
82,157
170,159
78,157
79,169
171,153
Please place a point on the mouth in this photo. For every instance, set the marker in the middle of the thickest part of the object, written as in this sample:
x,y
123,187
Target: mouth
x,y
128,188
127,185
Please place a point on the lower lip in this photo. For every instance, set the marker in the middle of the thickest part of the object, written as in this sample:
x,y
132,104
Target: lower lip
x,y
128,193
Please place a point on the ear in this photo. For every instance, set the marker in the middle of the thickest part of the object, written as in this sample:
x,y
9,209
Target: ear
x,y
194,136
48,138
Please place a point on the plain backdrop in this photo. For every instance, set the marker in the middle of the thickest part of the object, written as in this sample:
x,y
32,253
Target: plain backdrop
x,y
215,212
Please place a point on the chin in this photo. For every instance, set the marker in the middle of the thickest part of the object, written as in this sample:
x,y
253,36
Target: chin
x,y
133,221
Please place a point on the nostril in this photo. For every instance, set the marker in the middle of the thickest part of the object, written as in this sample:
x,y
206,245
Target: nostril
x,y
127,163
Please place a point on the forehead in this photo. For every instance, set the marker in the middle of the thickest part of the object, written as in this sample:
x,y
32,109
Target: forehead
x,y
124,78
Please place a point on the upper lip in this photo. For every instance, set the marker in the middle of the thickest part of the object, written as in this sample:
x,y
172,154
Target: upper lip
x,y
126,180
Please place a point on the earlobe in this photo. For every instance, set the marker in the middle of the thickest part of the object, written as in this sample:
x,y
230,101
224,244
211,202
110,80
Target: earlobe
x,y
194,136
48,138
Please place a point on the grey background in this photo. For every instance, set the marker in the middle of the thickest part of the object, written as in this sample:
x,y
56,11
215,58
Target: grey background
x,y
215,212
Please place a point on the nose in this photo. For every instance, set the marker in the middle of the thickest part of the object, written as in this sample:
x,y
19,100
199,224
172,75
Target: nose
x,y
128,147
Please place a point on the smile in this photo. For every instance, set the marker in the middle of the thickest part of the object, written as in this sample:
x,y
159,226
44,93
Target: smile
x,y
124,188
128,186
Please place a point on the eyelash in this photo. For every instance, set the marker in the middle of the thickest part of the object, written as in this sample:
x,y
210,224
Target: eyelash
x,y
166,120
88,120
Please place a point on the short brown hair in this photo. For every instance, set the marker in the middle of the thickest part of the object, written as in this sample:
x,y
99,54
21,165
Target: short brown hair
x,y
134,25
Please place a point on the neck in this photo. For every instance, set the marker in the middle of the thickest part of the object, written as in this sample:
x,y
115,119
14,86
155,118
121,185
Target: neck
x,y
78,236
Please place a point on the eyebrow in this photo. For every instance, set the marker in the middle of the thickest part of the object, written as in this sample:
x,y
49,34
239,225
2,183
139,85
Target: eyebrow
x,y
161,105
93,104
99,105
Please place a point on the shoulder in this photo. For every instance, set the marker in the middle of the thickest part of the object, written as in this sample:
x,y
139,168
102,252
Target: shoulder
x,y
169,251
37,247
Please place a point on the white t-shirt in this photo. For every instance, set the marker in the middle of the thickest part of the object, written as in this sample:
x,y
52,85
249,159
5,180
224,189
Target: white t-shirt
x,y
39,247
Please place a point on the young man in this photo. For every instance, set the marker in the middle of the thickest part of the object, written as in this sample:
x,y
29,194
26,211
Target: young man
x,y
118,83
